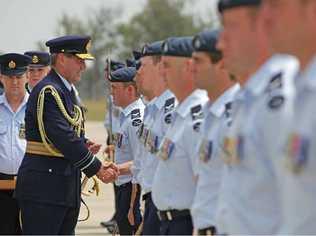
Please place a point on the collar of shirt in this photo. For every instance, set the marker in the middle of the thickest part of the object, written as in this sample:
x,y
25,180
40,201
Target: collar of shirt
x,y
4,101
259,81
218,107
137,103
66,83
198,96
160,101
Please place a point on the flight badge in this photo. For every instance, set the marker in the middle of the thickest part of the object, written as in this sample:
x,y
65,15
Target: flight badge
x,y
205,151
297,153
166,149
22,131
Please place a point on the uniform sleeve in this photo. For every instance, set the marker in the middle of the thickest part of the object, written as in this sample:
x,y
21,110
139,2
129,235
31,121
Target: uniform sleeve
x,y
61,134
136,151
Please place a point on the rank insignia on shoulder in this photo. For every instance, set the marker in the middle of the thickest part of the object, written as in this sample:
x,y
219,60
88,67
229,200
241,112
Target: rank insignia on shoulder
x,y
228,110
166,149
169,105
137,122
197,126
276,102
197,113
22,131
135,114
168,118
275,82
205,151
297,153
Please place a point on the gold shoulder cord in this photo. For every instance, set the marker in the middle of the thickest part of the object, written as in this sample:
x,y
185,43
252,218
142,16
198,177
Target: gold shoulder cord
x,y
75,121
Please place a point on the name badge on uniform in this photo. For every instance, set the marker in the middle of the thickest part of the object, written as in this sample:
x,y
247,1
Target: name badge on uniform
x,y
297,153
166,149
22,131
205,150
233,148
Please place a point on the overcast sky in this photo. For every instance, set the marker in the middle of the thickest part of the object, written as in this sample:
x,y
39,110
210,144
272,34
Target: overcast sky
x,y
24,22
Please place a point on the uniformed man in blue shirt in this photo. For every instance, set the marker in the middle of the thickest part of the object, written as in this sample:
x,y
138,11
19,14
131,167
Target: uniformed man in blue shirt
x,y
48,185
173,185
211,75
125,95
38,69
12,135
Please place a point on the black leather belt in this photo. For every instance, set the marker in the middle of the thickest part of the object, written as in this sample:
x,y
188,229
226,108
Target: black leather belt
x,y
173,214
6,177
207,231
146,196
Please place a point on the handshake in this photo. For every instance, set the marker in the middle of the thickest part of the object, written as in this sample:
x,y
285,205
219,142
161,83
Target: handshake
x,y
108,173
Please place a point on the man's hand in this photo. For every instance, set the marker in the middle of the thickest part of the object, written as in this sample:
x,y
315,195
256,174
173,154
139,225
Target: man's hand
x,y
108,174
93,147
130,215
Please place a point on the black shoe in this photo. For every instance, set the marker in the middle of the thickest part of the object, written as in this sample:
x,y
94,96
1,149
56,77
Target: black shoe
x,y
109,223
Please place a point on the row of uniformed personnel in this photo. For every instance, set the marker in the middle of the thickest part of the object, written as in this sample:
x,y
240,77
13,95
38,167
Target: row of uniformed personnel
x,y
223,144
235,158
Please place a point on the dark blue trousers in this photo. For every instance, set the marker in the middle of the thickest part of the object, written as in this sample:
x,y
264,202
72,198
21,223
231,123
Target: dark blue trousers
x,y
123,199
177,226
151,221
46,219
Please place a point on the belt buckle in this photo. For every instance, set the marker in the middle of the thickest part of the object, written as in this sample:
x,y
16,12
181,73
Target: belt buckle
x,y
169,215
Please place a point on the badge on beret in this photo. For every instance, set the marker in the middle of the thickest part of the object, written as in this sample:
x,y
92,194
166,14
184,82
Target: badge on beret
x,y
144,50
22,131
276,102
166,149
197,43
165,47
12,65
35,59
297,152
205,150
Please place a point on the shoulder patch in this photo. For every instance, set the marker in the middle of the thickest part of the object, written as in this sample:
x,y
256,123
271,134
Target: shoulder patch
x,y
169,105
197,126
197,113
276,102
135,114
275,82
137,122
168,118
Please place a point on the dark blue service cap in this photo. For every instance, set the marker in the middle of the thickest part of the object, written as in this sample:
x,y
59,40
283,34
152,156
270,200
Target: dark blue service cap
x,y
124,75
206,41
152,49
14,64
178,47
227,4
39,59
73,44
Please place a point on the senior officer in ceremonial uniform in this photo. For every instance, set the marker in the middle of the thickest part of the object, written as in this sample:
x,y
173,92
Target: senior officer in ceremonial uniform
x,y
38,69
210,74
249,200
125,95
48,185
12,135
296,167
173,185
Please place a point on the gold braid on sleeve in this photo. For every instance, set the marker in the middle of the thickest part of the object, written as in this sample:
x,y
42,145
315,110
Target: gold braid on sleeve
x,y
75,121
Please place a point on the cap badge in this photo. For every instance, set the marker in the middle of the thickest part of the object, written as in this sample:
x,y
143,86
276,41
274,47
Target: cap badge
x,y
12,65
35,59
